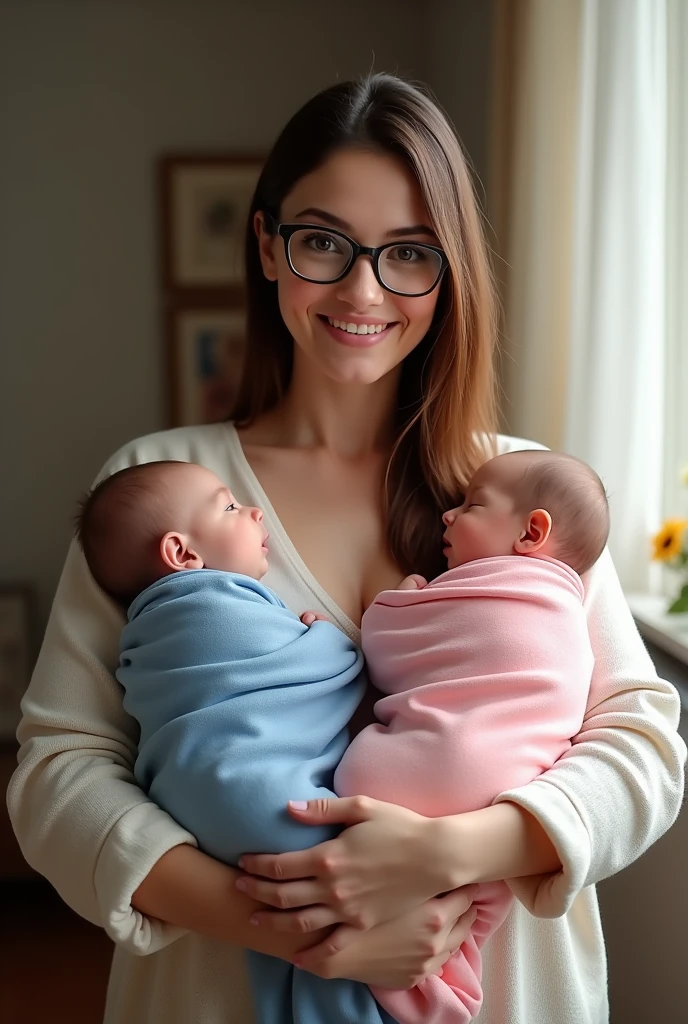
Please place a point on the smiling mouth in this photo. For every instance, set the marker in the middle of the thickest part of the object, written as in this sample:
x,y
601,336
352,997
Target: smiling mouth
x,y
351,328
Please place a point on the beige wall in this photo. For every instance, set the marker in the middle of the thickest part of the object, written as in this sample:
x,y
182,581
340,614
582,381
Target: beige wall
x,y
92,91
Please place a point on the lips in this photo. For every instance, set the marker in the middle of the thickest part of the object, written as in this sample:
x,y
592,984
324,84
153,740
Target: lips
x,y
351,340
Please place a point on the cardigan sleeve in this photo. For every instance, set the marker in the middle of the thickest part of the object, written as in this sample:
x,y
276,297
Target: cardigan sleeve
x,y
620,785
80,818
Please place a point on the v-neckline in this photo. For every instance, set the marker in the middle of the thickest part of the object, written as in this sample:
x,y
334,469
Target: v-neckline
x,y
293,556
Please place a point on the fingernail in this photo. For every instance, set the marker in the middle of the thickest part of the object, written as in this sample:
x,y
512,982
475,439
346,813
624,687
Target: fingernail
x,y
241,884
255,919
241,863
298,805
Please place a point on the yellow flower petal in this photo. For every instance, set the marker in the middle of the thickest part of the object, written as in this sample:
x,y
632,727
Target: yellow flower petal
x,y
668,542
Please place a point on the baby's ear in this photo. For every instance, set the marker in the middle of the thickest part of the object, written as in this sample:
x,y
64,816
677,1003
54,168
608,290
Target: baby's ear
x,y
176,553
535,534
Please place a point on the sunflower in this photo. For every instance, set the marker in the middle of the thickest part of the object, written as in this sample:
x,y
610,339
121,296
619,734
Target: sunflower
x,y
668,543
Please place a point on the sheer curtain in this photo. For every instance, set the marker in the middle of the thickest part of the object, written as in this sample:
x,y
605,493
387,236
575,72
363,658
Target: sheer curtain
x,y
676,418
585,233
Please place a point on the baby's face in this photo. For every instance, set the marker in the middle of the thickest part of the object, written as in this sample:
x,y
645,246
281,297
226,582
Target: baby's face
x,y
486,525
225,534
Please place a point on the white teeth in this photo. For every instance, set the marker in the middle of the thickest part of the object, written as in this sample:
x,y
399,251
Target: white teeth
x,y
357,328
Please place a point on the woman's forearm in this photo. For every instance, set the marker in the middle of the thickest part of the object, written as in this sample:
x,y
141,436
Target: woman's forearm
x,y
498,842
189,889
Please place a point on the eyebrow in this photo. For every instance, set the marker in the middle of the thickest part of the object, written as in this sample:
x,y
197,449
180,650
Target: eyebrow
x,y
413,229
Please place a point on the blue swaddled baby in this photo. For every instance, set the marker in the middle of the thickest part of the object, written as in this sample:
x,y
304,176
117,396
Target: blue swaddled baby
x,y
241,706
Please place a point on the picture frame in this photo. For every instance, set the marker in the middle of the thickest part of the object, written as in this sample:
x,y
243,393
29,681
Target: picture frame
x,y
205,359
17,618
204,203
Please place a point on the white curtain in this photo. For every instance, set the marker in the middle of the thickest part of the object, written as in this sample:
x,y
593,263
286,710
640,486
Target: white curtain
x,y
586,236
676,418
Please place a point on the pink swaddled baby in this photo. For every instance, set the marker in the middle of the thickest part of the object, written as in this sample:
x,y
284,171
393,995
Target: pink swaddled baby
x,y
487,672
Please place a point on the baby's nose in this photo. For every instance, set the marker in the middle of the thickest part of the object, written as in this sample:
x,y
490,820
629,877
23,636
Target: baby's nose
x,y
257,514
449,517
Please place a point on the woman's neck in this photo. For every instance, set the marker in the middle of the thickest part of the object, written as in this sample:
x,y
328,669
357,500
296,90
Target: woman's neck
x,y
348,420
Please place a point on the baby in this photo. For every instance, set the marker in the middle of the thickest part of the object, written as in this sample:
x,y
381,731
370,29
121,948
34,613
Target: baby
x,y
487,671
241,706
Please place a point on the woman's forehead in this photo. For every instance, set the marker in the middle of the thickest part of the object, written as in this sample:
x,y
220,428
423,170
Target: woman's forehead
x,y
369,192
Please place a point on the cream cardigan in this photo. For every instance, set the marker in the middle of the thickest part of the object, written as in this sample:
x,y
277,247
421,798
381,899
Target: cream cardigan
x,y
84,824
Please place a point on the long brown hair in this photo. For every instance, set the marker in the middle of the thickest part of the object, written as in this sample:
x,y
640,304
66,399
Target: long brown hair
x,y
446,409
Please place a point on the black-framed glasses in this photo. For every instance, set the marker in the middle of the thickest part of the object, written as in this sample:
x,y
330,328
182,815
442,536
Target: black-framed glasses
x,y
323,255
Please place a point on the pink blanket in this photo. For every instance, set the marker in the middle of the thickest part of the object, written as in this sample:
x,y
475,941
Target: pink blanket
x,y
487,670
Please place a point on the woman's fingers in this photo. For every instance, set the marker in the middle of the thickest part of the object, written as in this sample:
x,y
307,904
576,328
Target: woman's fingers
x,y
345,810
282,895
315,861
399,953
339,939
461,930
455,903
299,922
284,866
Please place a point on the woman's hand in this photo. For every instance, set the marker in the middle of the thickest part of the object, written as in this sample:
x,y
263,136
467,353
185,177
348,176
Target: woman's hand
x,y
385,864
400,953
189,889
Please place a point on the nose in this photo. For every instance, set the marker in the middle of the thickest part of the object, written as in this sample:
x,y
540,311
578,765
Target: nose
x,y
449,517
360,288
257,515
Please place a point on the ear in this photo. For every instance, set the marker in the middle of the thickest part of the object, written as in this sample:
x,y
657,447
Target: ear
x,y
266,247
535,533
176,553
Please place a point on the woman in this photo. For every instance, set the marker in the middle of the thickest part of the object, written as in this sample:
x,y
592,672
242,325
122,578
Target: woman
x,y
366,405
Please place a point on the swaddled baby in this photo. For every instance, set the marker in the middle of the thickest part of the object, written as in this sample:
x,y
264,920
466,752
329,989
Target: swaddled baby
x,y
487,669
241,706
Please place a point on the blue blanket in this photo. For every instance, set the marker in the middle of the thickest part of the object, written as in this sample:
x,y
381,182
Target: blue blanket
x,y
242,708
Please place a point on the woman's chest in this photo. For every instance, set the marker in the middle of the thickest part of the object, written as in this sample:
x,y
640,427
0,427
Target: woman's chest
x,y
332,513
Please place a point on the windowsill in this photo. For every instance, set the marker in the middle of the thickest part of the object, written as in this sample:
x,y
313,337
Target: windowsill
x,y
669,632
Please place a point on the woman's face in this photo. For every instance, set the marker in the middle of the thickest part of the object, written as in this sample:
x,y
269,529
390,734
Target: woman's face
x,y
374,199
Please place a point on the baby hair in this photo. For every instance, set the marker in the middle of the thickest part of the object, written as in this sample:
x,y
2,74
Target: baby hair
x,y
120,523
575,497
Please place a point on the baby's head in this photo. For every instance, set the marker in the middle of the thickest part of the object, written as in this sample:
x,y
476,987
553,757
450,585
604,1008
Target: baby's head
x,y
530,503
151,520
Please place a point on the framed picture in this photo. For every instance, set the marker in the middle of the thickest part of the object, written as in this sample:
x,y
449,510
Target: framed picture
x,y
206,352
16,653
204,207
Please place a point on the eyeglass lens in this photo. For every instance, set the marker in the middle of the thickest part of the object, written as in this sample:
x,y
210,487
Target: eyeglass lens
x,y
321,256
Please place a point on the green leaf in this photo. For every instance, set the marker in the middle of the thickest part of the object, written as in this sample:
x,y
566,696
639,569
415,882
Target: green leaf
x,y
680,605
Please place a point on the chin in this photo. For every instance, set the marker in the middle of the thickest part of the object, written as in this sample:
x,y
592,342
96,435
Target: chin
x,y
353,368
350,365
